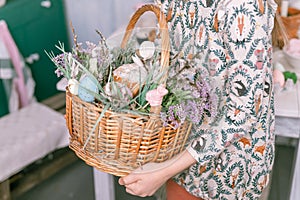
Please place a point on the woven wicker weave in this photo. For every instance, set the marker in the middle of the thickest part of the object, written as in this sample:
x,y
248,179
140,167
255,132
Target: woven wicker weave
x,y
122,142
292,22
288,27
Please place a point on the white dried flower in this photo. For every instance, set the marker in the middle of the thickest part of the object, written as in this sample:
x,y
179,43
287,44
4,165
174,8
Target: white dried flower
x,y
137,61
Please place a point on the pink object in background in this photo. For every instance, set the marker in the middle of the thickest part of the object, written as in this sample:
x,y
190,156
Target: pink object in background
x,y
278,77
2,2
16,61
294,47
292,53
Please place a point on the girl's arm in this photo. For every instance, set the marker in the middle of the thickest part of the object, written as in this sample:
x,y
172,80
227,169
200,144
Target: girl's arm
x,y
147,180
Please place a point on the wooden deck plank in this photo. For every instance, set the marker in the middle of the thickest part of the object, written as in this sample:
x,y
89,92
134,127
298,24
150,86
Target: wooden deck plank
x,y
5,190
44,171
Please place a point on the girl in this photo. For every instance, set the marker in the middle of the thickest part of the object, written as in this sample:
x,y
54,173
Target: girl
x,y
231,155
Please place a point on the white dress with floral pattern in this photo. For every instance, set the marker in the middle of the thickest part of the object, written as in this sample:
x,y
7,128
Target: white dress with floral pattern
x,y
235,150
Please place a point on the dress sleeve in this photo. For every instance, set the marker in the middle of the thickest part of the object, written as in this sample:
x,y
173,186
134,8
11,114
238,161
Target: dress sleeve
x,y
242,79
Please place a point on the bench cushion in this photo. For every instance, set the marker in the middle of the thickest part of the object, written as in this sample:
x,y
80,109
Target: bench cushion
x,y
28,135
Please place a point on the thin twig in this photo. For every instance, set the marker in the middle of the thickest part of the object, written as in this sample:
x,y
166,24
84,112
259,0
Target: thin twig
x,y
102,37
74,36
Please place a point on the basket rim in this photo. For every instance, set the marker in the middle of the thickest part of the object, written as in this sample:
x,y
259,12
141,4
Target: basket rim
x,y
98,107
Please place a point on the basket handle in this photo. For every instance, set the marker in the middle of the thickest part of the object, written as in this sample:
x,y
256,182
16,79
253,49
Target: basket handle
x,y
165,38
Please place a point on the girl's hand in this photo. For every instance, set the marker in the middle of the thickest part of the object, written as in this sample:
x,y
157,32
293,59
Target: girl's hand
x,y
143,184
146,180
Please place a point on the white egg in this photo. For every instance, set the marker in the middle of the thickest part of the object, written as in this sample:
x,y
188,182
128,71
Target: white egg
x,y
147,50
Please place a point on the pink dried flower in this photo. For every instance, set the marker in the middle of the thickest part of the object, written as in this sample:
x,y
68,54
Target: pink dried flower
x,y
154,97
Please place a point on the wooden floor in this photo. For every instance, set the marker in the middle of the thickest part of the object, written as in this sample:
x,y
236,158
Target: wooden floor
x,y
73,182
76,180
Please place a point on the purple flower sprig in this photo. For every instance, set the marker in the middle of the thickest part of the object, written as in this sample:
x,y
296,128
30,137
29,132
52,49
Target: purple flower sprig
x,y
190,100
59,60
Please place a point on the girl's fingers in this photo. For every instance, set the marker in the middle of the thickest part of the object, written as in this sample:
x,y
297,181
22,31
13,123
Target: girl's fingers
x,y
128,190
126,180
135,190
121,181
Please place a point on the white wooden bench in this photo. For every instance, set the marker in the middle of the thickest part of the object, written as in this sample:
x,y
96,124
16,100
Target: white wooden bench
x,y
33,146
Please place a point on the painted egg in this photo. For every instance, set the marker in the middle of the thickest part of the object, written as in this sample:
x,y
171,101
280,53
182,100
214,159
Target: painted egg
x,y
73,85
86,86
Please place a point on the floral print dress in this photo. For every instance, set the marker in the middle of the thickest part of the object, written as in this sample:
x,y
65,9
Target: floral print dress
x,y
235,149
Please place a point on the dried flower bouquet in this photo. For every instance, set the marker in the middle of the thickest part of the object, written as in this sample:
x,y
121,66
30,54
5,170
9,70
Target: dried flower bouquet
x,y
155,105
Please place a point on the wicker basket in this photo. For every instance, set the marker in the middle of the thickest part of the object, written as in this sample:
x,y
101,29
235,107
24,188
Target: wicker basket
x,y
288,26
292,22
121,142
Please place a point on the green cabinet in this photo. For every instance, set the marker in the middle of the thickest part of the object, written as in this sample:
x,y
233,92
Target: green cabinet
x,y
37,26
